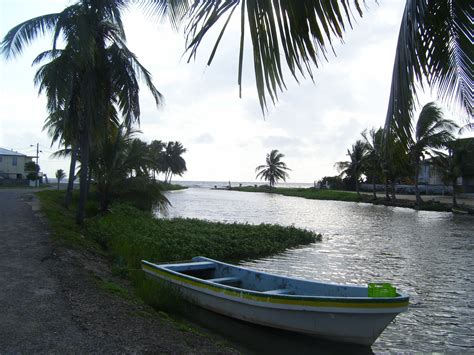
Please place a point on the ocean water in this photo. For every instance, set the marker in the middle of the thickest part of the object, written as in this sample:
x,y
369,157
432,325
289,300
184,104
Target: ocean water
x,y
223,184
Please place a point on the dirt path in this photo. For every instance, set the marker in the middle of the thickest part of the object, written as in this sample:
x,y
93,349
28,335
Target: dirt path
x,y
50,301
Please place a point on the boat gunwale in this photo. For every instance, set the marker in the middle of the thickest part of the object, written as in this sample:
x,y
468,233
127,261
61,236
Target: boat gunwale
x,y
400,301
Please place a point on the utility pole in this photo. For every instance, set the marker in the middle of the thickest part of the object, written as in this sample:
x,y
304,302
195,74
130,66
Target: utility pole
x,y
37,164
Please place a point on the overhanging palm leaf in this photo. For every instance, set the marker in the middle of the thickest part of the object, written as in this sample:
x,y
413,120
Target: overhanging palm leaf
x,y
26,32
302,31
435,43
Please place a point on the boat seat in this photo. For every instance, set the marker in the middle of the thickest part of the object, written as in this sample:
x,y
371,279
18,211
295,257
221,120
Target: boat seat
x,y
281,291
225,280
200,265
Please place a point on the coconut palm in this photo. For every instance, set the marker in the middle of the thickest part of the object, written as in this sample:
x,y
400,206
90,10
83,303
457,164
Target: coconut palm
x,y
432,131
172,163
60,174
155,152
435,43
374,156
105,69
396,163
274,169
355,166
120,158
59,80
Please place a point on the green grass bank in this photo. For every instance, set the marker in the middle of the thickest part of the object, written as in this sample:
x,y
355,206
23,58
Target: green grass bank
x,y
348,196
127,235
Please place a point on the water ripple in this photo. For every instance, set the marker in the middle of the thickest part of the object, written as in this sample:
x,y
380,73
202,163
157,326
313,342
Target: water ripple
x,y
426,254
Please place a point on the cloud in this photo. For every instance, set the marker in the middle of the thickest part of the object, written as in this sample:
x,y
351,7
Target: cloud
x,y
204,138
313,124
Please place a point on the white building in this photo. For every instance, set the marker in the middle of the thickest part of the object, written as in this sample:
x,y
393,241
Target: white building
x,y
12,164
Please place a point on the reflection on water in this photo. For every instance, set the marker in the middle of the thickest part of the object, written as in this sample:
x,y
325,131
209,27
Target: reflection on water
x,y
264,340
426,254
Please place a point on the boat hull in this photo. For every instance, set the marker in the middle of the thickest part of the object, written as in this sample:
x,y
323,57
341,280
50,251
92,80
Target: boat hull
x,y
350,321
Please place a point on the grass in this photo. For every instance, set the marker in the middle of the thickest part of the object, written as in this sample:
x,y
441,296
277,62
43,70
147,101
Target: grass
x,y
62,221
128,235
349,196
310,193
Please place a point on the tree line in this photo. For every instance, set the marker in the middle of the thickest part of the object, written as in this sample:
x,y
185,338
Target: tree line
x,y
383,157
92,87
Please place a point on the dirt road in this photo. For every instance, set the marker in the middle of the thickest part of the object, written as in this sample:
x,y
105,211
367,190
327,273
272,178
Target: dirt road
x,y
50,302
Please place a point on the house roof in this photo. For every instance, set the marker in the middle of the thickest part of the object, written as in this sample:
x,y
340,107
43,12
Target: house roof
x,y
8,152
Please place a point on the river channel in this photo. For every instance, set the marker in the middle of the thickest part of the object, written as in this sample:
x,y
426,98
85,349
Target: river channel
x,y
429,255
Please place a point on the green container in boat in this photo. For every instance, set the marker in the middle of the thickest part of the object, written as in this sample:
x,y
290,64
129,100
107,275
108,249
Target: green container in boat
x,y
381,289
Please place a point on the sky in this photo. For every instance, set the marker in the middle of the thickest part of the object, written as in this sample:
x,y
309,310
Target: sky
x,y
226,137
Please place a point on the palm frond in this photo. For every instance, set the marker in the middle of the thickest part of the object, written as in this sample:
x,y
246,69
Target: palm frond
x,y
174,10
23,34
434,43
301,31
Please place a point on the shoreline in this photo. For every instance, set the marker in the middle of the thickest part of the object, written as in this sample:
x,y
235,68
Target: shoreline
x,y
430,202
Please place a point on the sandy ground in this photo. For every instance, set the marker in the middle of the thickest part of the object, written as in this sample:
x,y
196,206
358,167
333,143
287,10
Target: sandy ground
x,y
50,301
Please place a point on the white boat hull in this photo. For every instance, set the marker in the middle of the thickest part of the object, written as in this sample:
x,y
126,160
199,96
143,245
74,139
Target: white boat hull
x,y
358,322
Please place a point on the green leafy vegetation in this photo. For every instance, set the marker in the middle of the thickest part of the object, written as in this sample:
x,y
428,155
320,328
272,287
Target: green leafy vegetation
x,y
349,196
128,235
136,235
310,193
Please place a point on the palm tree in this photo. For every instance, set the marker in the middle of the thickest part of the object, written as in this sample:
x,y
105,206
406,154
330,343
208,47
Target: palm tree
x,y
59,80
274,169
374,156
396,162
354,168
172,163
119,156
432,131
434,43
60,174
155,153
105,69
451,163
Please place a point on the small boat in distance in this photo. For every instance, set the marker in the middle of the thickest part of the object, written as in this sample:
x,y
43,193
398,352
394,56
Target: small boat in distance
x,y
342,313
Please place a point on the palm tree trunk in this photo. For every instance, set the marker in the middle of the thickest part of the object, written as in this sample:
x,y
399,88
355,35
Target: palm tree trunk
x,y
419,201
89,180
72,170
392,184
374,187
387,197
85,146
357,187
105,198
455,202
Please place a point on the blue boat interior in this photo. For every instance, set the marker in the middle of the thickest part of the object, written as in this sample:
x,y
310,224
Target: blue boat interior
x,y
234,276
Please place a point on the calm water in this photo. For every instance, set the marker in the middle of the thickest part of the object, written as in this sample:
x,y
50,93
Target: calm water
x,y
427,254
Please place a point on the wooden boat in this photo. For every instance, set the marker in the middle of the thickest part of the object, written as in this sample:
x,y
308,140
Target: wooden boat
x,y
336,312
